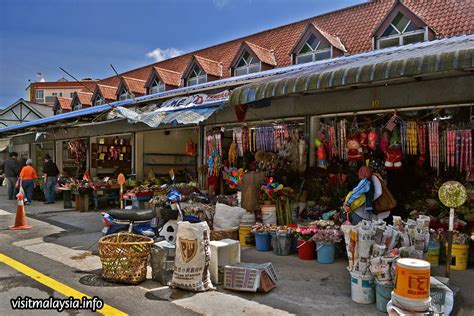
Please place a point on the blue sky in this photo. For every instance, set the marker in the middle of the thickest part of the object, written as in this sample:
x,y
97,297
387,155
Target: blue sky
x,y
85,36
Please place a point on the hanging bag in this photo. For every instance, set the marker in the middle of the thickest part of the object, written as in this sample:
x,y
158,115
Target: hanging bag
x,y
386,202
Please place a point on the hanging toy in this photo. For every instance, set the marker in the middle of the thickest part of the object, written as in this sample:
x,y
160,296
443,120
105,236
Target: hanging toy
x,y
190,148
393,158
364,140
384,141
354,151
320,153
232,154
372,138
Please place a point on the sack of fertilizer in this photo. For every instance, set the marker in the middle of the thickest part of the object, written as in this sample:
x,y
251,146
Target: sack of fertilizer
x,y
191,263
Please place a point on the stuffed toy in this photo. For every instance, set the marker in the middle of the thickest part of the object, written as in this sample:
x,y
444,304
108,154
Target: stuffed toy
x,y
364,140
372,140
395,139
320,153
354,151
393,158
384,141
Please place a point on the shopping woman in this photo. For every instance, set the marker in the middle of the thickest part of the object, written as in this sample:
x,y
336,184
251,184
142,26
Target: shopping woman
x,y
372,188
27,180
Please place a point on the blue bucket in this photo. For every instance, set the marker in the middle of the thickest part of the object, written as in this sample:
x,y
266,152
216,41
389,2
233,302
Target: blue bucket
x,y
263,241
325,252
383,294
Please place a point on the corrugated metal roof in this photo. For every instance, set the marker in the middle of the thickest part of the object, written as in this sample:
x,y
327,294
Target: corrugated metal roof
x,y
454,53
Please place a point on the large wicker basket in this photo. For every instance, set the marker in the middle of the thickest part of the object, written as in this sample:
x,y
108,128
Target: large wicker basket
x,y
225,234
124,257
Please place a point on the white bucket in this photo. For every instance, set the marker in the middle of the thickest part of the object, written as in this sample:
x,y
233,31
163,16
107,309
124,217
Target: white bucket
x,y
362,288
269,215
408,304
248,219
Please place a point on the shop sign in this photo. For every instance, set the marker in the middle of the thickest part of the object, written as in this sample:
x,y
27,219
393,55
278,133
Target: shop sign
x,y
194,101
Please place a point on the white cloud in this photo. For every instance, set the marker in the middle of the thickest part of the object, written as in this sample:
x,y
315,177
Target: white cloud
x,y
159,54
220,4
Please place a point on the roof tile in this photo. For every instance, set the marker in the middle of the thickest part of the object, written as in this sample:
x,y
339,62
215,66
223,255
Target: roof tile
x,y
264,55
209,66
64,103
168,77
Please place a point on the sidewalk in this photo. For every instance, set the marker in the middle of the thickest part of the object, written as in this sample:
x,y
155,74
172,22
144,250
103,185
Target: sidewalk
x,y
305,287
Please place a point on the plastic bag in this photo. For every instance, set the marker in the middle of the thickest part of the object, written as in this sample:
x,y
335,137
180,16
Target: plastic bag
x,y
227,217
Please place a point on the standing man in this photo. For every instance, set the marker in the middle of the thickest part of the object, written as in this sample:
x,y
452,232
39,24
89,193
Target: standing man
x,y
50,174
11,169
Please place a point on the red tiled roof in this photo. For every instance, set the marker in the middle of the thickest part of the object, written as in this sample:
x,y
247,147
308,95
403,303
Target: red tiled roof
x,y
64,103
168,77
352,25
85,98
107,92
136,86
333,40
210,67
64,84
264,55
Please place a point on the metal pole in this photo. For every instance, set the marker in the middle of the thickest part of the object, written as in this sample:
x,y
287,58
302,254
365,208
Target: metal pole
x,y
450,242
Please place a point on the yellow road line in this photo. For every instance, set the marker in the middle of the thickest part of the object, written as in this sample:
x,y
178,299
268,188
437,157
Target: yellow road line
x,y
55,285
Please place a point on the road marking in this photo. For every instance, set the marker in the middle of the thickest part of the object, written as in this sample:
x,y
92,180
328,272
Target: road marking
x,y
55,285
2,212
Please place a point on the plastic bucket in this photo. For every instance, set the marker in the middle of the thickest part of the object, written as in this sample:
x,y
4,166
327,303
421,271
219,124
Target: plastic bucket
x,y
325,252
459,256
412,284
281,244
383,295
306,249
246,237
269,214
362,288
248,219
262,241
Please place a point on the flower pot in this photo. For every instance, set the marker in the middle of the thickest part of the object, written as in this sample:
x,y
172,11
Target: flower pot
x,y
262,241
306,250
281,244
325,252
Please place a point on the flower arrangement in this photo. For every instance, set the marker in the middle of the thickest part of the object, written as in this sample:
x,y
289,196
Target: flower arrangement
x,y
306,232
328,235
263,228
269,189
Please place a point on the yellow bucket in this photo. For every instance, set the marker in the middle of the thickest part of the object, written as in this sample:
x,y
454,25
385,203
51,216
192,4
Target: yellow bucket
x,y
459,256
412,280
246,237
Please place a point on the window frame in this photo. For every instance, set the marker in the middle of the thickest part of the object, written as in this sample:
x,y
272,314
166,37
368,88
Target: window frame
x,y
314,52
158,84
246,68
401,35
124,91
77,106
37,98
99,100
197,79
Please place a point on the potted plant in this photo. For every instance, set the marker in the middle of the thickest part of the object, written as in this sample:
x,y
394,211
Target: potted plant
x,y
267,194
325,239
306,249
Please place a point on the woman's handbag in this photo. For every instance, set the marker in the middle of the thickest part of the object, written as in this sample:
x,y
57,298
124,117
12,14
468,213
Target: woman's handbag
x,y
386,202
18,183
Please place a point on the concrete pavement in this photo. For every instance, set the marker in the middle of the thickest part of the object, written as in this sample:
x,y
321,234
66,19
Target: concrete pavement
x,y
62,245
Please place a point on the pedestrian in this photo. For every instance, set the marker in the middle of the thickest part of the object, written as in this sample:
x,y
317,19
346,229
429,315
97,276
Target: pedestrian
x,y
50,174
369,186
27,180
11,169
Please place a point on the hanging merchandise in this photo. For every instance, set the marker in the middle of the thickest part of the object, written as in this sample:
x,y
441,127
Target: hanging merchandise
x,y
190,148
354,151
264,139
384,141
411,138
433,133
302,155
332,142
238,140
214,150
468,135
394,154
232,155
320,153
421,142
392,122
342,140
372,140
364,141
245,140
280,137
403,136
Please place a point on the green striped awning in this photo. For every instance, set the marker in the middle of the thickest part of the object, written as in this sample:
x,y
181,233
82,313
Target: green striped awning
x,y
414,60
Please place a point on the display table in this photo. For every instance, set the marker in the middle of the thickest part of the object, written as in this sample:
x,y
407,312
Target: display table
x,y
82,200
110,195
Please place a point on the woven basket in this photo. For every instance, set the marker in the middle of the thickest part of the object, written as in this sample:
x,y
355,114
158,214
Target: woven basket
x,y
225,234
124,257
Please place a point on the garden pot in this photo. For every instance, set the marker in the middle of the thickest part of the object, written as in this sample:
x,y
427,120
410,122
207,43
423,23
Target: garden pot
x,y
325,252
262,241
306,250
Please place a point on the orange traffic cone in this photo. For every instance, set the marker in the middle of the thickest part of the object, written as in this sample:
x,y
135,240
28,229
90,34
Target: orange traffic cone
x,y
20,221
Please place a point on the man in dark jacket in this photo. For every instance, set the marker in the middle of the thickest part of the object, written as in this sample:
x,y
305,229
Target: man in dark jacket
x,y
50,173
11,169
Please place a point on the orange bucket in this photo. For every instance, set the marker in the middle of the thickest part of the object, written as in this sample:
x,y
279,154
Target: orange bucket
x,y
412,280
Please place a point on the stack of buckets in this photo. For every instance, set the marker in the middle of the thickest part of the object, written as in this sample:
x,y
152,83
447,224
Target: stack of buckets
x,y
246,238
362,288
412,285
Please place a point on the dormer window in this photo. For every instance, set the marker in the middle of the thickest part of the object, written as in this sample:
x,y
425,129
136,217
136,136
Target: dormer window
x,y
99,100
77,106
59,111
247,65
401,31
313,50
157,86
196,76
124,94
